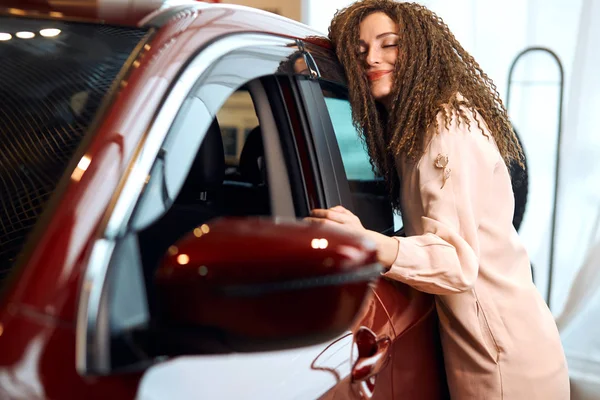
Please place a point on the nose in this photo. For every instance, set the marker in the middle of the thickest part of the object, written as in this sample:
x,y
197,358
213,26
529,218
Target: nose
x,y
373,56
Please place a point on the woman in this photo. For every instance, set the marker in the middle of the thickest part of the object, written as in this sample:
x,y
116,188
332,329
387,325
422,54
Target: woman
x,y
437,131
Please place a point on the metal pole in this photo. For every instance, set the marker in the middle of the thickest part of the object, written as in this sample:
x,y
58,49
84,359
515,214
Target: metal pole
x,y
558,147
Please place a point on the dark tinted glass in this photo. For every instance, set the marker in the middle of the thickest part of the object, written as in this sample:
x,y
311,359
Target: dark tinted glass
x,y
369,195
53,78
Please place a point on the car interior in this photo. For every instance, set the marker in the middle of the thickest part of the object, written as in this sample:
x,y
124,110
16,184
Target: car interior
x,y
218,184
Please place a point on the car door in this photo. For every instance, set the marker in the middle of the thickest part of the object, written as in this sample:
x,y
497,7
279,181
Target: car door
x,y
200,162
400,322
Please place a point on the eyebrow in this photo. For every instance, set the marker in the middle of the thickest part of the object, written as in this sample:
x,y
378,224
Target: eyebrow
x,y
381,35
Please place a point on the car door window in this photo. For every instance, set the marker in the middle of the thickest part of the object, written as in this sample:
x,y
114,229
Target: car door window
x,y
219,103
352,146
369,196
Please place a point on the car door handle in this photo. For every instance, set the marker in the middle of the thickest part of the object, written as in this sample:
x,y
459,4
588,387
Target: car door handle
x,y
373,355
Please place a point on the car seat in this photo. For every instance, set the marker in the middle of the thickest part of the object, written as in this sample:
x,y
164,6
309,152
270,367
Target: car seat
x,y
250,195
198,201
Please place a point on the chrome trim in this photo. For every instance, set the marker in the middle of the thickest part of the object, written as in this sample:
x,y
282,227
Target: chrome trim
x,y
163,15
89,304
89,341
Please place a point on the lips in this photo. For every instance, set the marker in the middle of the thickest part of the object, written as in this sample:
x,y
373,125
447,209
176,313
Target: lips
x,y
375,75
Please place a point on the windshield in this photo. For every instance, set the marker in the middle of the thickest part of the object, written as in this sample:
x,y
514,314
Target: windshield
x,y
53,78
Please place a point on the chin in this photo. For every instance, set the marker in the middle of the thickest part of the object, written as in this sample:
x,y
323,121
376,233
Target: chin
x,y
381,95
381,92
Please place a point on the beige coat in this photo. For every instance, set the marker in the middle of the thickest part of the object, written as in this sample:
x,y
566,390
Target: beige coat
x,y
500,340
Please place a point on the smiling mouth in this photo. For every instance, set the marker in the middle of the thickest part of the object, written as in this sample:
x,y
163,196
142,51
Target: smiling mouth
x,y
373,76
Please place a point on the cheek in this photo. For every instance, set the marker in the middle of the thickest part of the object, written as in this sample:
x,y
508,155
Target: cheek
x,y
388,83
392,57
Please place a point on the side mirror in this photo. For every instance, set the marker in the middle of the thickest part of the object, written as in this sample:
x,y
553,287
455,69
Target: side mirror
x,y
258,284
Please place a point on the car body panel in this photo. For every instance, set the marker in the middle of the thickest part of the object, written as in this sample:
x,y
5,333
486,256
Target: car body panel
x,y
41,355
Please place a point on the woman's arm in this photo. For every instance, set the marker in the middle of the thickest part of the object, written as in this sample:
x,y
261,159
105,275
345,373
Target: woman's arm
x,y
445,258
387,247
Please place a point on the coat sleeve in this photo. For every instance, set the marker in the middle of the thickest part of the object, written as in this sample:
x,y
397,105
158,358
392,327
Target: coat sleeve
x,y
453,177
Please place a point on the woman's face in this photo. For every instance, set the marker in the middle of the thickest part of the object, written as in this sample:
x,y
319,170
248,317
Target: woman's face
x,y
378,47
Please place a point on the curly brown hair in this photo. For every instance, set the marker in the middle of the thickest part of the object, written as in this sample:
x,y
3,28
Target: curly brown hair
x,y
432,69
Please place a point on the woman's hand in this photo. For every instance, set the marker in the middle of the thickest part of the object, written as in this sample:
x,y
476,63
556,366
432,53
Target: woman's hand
x,y
338,217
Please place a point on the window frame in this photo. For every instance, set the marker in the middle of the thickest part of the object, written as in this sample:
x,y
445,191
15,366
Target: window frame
x,y
278,176
286,114
92,335
331,173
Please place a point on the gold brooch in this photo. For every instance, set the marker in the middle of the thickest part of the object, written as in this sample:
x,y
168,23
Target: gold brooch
x,y
441,161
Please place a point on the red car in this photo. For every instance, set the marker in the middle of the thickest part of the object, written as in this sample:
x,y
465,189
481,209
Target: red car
x,y
155,167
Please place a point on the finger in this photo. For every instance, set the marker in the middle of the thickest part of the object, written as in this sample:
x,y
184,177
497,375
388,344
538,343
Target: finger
x,y
319,213
321,221
342,210
322,211
317,210
351,217
331,215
